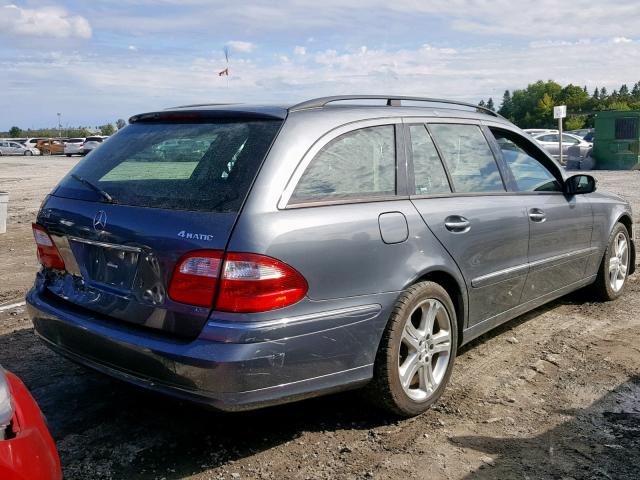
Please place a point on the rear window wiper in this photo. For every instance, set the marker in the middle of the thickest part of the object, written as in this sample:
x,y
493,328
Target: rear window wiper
x,y
94,187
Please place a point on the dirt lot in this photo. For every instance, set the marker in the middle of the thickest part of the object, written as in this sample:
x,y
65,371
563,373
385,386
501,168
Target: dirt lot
x,y
553,394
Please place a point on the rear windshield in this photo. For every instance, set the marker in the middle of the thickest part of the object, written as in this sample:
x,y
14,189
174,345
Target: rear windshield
x,y
194,166
94,139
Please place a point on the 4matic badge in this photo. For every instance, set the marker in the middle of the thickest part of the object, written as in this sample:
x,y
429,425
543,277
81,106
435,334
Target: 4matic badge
x,y
195,236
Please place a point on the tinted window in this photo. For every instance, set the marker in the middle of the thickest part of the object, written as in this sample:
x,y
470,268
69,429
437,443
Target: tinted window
x,y
358,164
569,140
468,157
626,128
198,166
429,173
529,173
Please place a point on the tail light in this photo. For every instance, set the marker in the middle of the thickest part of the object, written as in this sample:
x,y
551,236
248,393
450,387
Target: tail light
x,y
245,282
48,254
255,283
195,278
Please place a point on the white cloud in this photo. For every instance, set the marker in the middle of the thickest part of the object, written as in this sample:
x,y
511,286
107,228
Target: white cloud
x,y
43,22
535,20
622,40
300,50
133,48
240,46
467,73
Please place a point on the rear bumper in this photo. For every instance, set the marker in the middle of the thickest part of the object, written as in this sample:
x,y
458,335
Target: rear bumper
x,y
230,366
31,453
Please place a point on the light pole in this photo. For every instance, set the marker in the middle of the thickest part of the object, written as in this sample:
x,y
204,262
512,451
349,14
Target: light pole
x,y
59,126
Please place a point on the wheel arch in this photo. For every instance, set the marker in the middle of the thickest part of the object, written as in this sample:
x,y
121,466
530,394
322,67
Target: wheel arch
x,y
455,288
626,220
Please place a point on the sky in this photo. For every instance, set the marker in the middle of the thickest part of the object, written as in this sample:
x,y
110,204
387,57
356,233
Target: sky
x,y
95,62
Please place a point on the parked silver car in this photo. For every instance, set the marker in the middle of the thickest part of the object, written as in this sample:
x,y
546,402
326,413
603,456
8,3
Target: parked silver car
x,y
313,248
551,143
15,148
538,131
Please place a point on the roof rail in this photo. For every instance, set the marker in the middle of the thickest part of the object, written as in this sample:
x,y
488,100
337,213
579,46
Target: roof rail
x,y
392,101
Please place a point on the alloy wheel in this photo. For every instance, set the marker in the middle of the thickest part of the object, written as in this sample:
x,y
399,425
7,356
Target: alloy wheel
x,y
619,262
425,349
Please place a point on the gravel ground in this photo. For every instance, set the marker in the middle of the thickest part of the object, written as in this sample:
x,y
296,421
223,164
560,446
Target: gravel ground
x,y
552,394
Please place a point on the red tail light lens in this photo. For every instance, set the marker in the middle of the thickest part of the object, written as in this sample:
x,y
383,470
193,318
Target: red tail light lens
x,y
255,283
245,282
195,278
48,254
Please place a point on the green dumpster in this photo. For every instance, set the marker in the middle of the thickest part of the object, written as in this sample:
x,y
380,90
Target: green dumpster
x,y
617,140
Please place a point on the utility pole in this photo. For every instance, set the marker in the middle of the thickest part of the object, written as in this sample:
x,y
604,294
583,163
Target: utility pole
x,y
59,126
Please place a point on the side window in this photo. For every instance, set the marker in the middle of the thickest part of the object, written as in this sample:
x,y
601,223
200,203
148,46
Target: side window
x,y
529,173
358,164
569,140
428,170
469,159
549,138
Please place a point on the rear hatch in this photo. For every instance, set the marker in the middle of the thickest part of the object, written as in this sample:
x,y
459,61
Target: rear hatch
x,y
166,185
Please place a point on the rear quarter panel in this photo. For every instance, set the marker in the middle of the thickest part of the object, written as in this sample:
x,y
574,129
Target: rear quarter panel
x,y
607,209
337,248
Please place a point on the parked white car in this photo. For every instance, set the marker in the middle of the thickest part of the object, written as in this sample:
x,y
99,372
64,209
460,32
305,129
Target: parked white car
x,y
32,142
74,146
91,143
15,148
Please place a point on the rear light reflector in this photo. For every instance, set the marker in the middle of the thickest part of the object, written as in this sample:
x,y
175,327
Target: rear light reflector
x,y
48,254
256,283
195,278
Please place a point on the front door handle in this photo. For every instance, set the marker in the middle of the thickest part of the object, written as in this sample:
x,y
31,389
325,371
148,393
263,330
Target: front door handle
x,y
457,224
537,215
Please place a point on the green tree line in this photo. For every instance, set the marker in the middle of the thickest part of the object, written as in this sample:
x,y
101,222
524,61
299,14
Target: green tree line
x,y
106,129
532,107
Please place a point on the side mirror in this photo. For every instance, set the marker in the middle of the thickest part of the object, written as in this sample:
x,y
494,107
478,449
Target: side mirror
x,y
578,184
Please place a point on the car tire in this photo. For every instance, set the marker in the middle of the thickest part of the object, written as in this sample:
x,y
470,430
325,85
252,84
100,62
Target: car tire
x,y
615,266
28,153
68,154
417,351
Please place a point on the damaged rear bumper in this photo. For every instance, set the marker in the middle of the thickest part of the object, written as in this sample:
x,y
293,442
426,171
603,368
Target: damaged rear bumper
x,y
231,365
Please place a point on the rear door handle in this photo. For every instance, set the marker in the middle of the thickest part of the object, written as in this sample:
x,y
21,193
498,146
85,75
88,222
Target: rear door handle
x,y
457,224
537,215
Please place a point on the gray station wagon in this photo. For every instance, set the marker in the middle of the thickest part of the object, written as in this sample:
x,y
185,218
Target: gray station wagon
x,y
243,256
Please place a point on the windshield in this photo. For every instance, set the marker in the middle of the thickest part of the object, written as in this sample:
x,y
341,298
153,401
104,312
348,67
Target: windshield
x,y
193,166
